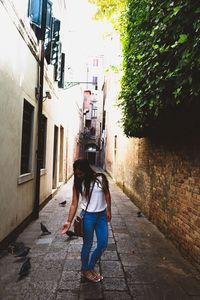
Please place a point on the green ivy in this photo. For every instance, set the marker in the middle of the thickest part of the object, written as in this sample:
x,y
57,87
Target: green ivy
x,y
111,10
161,62
160,86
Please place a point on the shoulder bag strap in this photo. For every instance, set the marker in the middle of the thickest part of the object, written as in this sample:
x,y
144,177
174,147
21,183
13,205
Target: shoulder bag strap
x,y
90,194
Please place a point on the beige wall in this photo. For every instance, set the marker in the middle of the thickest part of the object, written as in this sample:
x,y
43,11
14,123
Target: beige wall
x,y
61,110
19,54
18,78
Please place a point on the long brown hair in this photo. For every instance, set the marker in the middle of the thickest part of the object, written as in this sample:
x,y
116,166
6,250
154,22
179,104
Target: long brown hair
x,y
89,176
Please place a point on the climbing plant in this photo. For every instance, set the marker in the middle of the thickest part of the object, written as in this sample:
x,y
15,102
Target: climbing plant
x,y
111,10
160,87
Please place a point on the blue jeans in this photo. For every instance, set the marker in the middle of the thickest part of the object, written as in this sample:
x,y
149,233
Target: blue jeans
x,y
93,222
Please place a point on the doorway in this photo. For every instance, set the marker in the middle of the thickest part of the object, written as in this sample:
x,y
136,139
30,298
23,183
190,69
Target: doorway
x,y
91,157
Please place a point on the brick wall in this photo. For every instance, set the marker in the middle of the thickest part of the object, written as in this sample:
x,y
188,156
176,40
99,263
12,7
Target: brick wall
x,y
175,192
163,179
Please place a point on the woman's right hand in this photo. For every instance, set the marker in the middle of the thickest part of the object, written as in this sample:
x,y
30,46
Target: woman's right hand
x,y
66,227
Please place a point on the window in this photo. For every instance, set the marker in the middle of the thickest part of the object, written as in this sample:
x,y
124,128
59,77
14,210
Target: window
x,y
27,129
49,15
43,141
94,112
55,43
88,123
94,81
35,12
62,71
57,66
48,32
40,14
95,62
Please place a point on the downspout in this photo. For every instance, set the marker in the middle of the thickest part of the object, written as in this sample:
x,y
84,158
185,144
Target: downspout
x,y
40,105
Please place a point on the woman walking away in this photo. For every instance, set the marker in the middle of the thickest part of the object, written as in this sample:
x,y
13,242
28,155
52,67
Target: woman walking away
x,y
93,186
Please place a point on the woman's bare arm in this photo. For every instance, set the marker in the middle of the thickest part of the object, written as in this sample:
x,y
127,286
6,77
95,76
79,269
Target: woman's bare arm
x,y
108,201
107,195
72,211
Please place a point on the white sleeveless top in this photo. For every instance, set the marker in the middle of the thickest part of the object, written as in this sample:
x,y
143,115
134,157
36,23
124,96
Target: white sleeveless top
x,y
97,200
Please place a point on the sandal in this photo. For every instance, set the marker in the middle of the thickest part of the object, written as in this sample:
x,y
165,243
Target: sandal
x,y
88,275
97,275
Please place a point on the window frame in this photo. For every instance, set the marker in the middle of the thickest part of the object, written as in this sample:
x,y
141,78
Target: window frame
x,y
28,156
37,22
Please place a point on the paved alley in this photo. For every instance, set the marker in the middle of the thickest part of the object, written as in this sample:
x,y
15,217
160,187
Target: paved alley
x,y
138,264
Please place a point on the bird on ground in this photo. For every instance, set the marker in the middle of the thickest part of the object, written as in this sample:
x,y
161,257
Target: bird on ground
x,y
45,231
25,268
15,247
63,203
23,252
139,214
70,233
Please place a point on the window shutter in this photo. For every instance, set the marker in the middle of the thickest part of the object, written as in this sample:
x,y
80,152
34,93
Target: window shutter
x,y
40,14
95,82
62,71
48,42
58,62
56,30
35,12
55,41
49,15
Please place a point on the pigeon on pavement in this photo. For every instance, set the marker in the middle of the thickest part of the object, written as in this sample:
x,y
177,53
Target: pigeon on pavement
x,y
15,247
45,231
70,233
25,268
63,203
23,252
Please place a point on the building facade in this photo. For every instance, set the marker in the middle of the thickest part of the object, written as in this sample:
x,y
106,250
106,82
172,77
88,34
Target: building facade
x,y
92,113
26,30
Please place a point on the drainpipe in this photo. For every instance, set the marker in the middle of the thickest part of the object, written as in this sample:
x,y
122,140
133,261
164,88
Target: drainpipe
x,y
40,104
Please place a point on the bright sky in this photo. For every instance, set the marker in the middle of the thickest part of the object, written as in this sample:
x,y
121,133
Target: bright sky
x,y
84,31
84,34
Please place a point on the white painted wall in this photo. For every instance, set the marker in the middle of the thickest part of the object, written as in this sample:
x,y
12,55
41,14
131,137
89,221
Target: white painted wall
x,y
18,80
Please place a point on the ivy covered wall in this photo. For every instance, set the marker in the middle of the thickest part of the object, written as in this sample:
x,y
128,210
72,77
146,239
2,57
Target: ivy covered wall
x,y
161,64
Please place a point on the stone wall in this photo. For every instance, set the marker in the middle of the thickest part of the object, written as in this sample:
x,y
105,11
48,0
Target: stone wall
x,y
174,169
162,177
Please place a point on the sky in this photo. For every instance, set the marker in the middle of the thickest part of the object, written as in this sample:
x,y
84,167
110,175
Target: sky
x,y
85,36
83,31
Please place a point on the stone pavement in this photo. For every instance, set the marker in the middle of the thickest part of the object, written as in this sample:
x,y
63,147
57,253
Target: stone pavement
x,y
138,264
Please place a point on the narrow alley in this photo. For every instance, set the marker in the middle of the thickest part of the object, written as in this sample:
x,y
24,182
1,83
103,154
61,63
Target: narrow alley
x,y
116,83
140,263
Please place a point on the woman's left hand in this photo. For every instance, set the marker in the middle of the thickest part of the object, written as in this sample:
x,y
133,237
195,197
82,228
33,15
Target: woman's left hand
x,y
65,227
